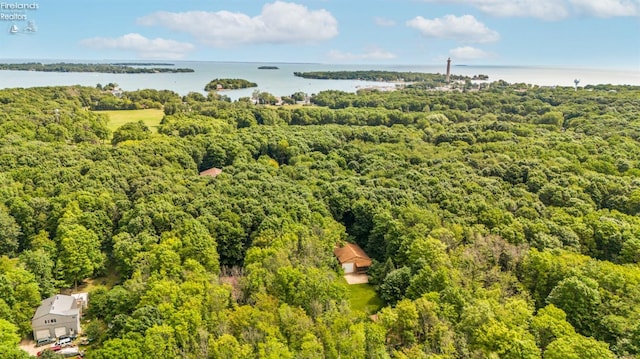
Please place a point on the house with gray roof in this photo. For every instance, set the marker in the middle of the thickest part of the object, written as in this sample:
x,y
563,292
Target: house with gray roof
x,y
57,316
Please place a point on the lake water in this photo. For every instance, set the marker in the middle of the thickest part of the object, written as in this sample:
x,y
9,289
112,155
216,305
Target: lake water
x,y
282,81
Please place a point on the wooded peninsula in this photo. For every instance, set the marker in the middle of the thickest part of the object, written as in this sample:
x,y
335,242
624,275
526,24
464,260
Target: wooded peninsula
x,y
102,68
374,75
229,84
500,222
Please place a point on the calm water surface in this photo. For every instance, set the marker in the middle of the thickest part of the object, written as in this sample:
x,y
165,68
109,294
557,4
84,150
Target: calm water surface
x,y
282,81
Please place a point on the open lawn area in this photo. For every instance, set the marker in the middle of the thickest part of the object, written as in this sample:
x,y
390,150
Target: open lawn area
x,y
151,117
109,280
364,298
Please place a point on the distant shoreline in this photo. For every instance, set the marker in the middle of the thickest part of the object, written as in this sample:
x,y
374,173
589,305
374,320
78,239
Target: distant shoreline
x,y
141,64
283,83
111,68
629,68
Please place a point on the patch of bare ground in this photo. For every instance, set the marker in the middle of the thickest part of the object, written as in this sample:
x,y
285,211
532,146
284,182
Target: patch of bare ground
x,y
29,346
232,277
353,278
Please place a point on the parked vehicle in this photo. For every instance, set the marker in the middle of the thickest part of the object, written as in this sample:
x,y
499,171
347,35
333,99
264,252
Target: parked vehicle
x,y
44,341
64,341
69,352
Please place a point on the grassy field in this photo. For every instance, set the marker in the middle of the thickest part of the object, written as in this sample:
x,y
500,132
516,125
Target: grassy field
x,y
363,297
150,117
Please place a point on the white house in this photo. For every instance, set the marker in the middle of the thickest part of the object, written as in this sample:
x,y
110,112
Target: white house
x,y
57,316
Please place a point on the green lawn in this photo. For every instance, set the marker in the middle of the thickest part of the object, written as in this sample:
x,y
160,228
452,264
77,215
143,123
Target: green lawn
x,y
363,297
151,117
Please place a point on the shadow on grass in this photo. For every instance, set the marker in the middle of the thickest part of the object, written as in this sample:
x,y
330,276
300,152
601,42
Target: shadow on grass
x,y
363,297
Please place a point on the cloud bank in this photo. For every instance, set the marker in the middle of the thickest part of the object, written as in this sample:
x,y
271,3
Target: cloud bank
x,y
278,23
146,48
552,9
464,28
469,53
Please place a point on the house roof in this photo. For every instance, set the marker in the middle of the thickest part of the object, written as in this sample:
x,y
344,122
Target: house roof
x,y
352,253
58,305
213,172
82,297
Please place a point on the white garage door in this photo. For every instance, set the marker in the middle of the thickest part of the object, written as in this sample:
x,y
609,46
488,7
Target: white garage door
x,y
60,331
348,267
42,334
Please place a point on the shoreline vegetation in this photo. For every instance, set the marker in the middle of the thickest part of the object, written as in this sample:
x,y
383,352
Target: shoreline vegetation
x,y
142,64
373,75
115,68
386,76
409,79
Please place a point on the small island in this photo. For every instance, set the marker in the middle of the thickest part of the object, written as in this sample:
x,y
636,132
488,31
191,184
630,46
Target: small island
x,y
229,84
102,68
268,68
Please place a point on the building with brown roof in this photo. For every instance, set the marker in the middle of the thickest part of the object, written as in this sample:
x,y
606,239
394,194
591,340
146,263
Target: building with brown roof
x,y
213,172
352,258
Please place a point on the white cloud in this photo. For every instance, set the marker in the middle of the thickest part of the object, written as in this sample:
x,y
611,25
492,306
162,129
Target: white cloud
x,y
146,48
279,22
371,53
380,21
542,9
463,28
607,8
552,9
469,53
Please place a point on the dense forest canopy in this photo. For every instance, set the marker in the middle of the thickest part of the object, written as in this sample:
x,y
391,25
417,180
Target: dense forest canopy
x,y
501,222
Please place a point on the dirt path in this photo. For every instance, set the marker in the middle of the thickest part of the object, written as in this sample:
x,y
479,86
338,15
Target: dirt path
x,y
29,346
356,278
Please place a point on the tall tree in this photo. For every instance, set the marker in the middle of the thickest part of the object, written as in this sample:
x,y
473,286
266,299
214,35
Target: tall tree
x,y
80,256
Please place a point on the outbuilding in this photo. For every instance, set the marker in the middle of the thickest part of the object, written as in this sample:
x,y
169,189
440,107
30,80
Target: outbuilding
x,y
352,258
212,172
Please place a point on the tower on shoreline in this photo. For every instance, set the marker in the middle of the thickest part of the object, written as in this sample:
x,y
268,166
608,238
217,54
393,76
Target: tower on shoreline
x,y
448,69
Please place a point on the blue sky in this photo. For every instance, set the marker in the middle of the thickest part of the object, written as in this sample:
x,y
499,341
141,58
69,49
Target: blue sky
x,y
572,33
